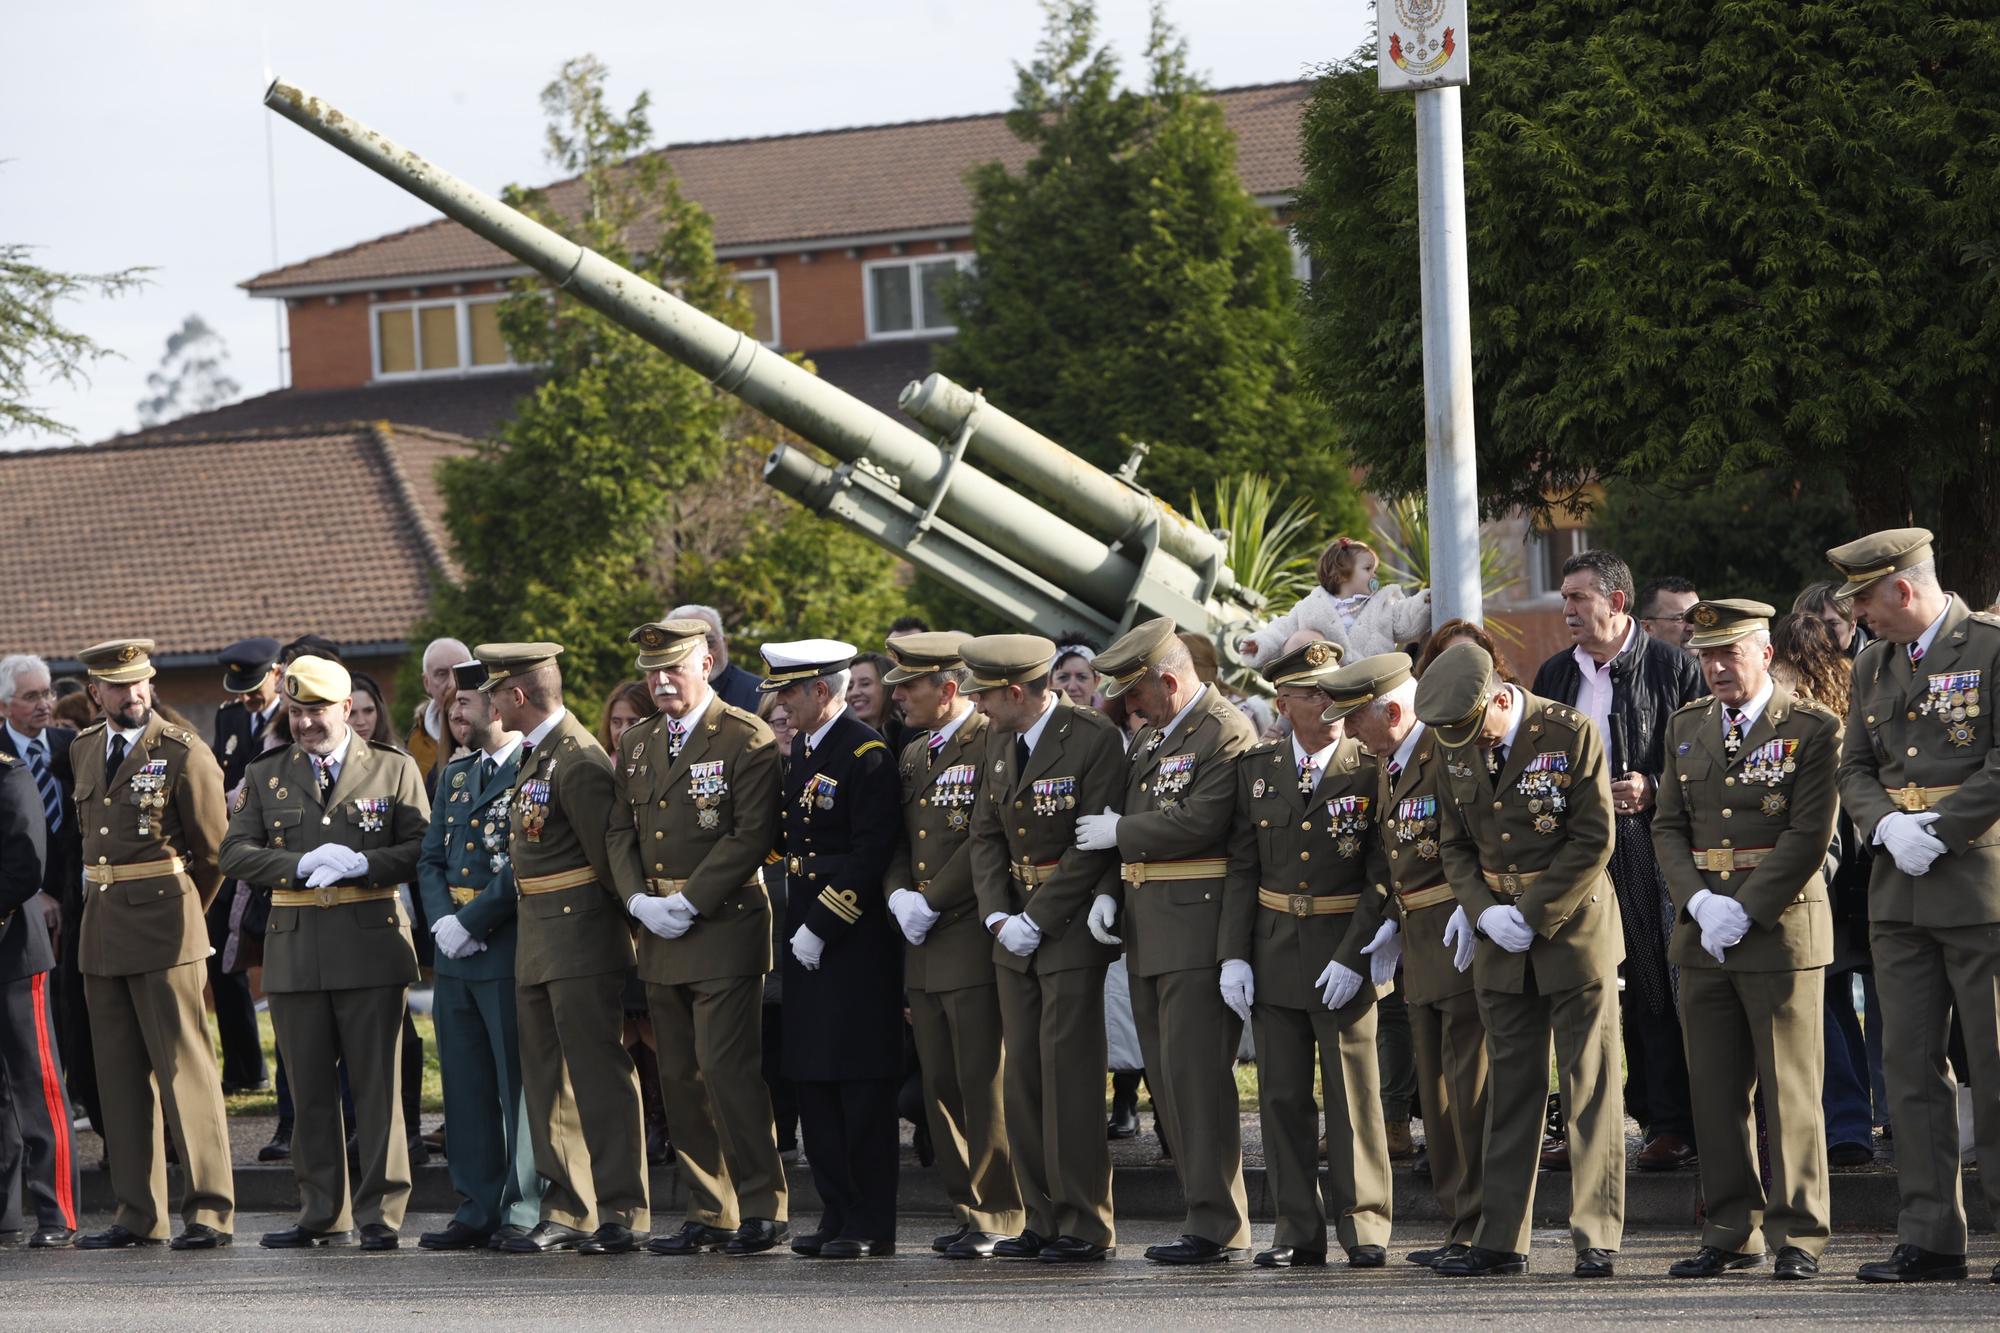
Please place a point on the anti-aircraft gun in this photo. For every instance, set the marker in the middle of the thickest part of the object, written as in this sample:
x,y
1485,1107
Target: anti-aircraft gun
x,y
1099,555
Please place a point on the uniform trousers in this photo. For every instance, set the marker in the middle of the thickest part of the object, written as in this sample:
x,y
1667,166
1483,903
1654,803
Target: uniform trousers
x,y
1359,1193
582,1091
361,1028
711,1051
1449,1042
491,1154
1189,1038
153,1057
1052,1024
852,1142
959,1054
1395,1062
40,1148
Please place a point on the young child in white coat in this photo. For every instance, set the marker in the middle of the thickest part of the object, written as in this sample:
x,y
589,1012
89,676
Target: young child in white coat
x,y
1349,608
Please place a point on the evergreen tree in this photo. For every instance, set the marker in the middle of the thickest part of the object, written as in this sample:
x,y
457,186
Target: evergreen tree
x,y
35,346
191,377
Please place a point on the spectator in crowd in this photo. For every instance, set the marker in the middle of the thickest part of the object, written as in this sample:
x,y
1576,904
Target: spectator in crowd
x,y
909,625
1075,676
784,1105
1823,600
370,718
737,687
1629,683
1663,605
428,720
869,698
74,709
628,702
1466,631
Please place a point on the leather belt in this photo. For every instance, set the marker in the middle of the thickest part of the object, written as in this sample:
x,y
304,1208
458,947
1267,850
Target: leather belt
x,y
1303,905
1726,859
665,888
333,895
1418,899
462,894
561,879
1917,799
1032,874
1512,883
106,875
1141,872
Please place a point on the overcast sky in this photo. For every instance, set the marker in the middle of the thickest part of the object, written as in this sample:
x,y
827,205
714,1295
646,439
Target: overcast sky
x,y
132,133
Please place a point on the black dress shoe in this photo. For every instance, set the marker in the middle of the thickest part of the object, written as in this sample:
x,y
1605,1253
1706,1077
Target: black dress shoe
x,y
973,1245
1594,1262
379,1236
116,1237
945,1242
1027,1245
1367,1256
498,1240
1914,1263
1795,1265
1193,1250
1476,1262
810,1243
756,1235
1290,1256
546,1238
1071,1250
1431,1258
299,1238
53,1238
692,1238
420,1152
853,1247
456,1235
201,1236
279,1149
1711,1261
611,1238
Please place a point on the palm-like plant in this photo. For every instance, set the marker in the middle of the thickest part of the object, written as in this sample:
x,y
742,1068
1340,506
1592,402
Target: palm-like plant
x,y
1269,548
1403,543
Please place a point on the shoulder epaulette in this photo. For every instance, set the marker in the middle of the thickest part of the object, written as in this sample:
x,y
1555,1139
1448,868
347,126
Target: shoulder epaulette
x,y
7,760
1814,706
93,729
1265,747
868,745
1693,706
181,735
1564,714
265,757
1985,618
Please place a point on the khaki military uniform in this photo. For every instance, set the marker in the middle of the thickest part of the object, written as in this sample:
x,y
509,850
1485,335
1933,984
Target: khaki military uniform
x,y
1755,827
1025,860
152,836
1305,888
337,964
574,946
1180,801
1935,937
949,979
1448,1037
1539,837
701,824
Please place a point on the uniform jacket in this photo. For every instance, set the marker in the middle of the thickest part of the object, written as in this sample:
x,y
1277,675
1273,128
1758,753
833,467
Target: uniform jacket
x,y
1777,793
1897,735
236,741
148,925
24,833
709,817
737,687
1180,801
464,869
560,821
65,846
1409,808
1317,846
1489,825
278,817
1029,818
941,795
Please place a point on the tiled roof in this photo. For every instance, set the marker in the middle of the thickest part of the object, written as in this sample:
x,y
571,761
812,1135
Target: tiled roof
x,y
469,406
819,186
197,540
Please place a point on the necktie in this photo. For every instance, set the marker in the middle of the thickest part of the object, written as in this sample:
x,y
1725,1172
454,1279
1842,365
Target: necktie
x,y
1020,755
1732,739
676,738
1395,771
487,768
38,764
1495,758
323,774
1916,653
936,744
117,758
1306,776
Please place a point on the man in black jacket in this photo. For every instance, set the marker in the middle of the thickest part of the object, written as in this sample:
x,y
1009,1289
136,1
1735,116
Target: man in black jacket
x,y
1629,683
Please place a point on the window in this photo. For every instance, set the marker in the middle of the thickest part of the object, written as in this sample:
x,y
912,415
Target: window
x,y
1302,260
1546,553
760,287
438,337
909,297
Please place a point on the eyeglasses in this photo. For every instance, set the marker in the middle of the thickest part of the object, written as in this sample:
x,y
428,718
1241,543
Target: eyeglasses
x,y
37,696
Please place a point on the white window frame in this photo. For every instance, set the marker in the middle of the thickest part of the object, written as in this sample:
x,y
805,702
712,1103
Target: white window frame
x,y
462,320
961,259
744,275
1301,257
1577,539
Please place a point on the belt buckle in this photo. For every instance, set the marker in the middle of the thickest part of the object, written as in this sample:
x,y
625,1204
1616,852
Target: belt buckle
x,y
1510,883
1914,799
1719,858
1301,905
324,894
795,865
1132,872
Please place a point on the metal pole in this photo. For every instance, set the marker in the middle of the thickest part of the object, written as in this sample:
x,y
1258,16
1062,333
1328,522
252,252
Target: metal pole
x,y
1450,454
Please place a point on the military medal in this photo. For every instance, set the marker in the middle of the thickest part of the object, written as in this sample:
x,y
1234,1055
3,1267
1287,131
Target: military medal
x,y
1774,803
1176,772
370,812
1427,848
1545,823
229,746
1542,783
149,793
1347,820
1257,789
819,790
534,808
707,787
272,784
283,794
458,778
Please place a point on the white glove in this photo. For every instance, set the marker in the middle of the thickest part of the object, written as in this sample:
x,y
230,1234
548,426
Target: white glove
x,y
1338,984
807,947
323,876
658,915
1095,833
333,863
1239,988
913,914
454,940
1103,912
317,857
1383,953
1020,936
1458,937
1910,840
1506,927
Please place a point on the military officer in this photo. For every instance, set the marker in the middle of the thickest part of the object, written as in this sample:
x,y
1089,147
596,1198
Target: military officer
x,y
250,676
1918,778
1046,763
152,838
1173,840
696,814
1305,948
466,880
332,824
1746,810
1376,700
843,985
1526,814
948,967
572,947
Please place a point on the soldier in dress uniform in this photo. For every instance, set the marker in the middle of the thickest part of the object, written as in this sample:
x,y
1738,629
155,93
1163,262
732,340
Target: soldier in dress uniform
x,y
1746,810
1305,947
571,952
1526,814
843,977
466,879
152,838
250,675
1376,700
1046,763
332,824
1173,840
948,967
1918,778
695,816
